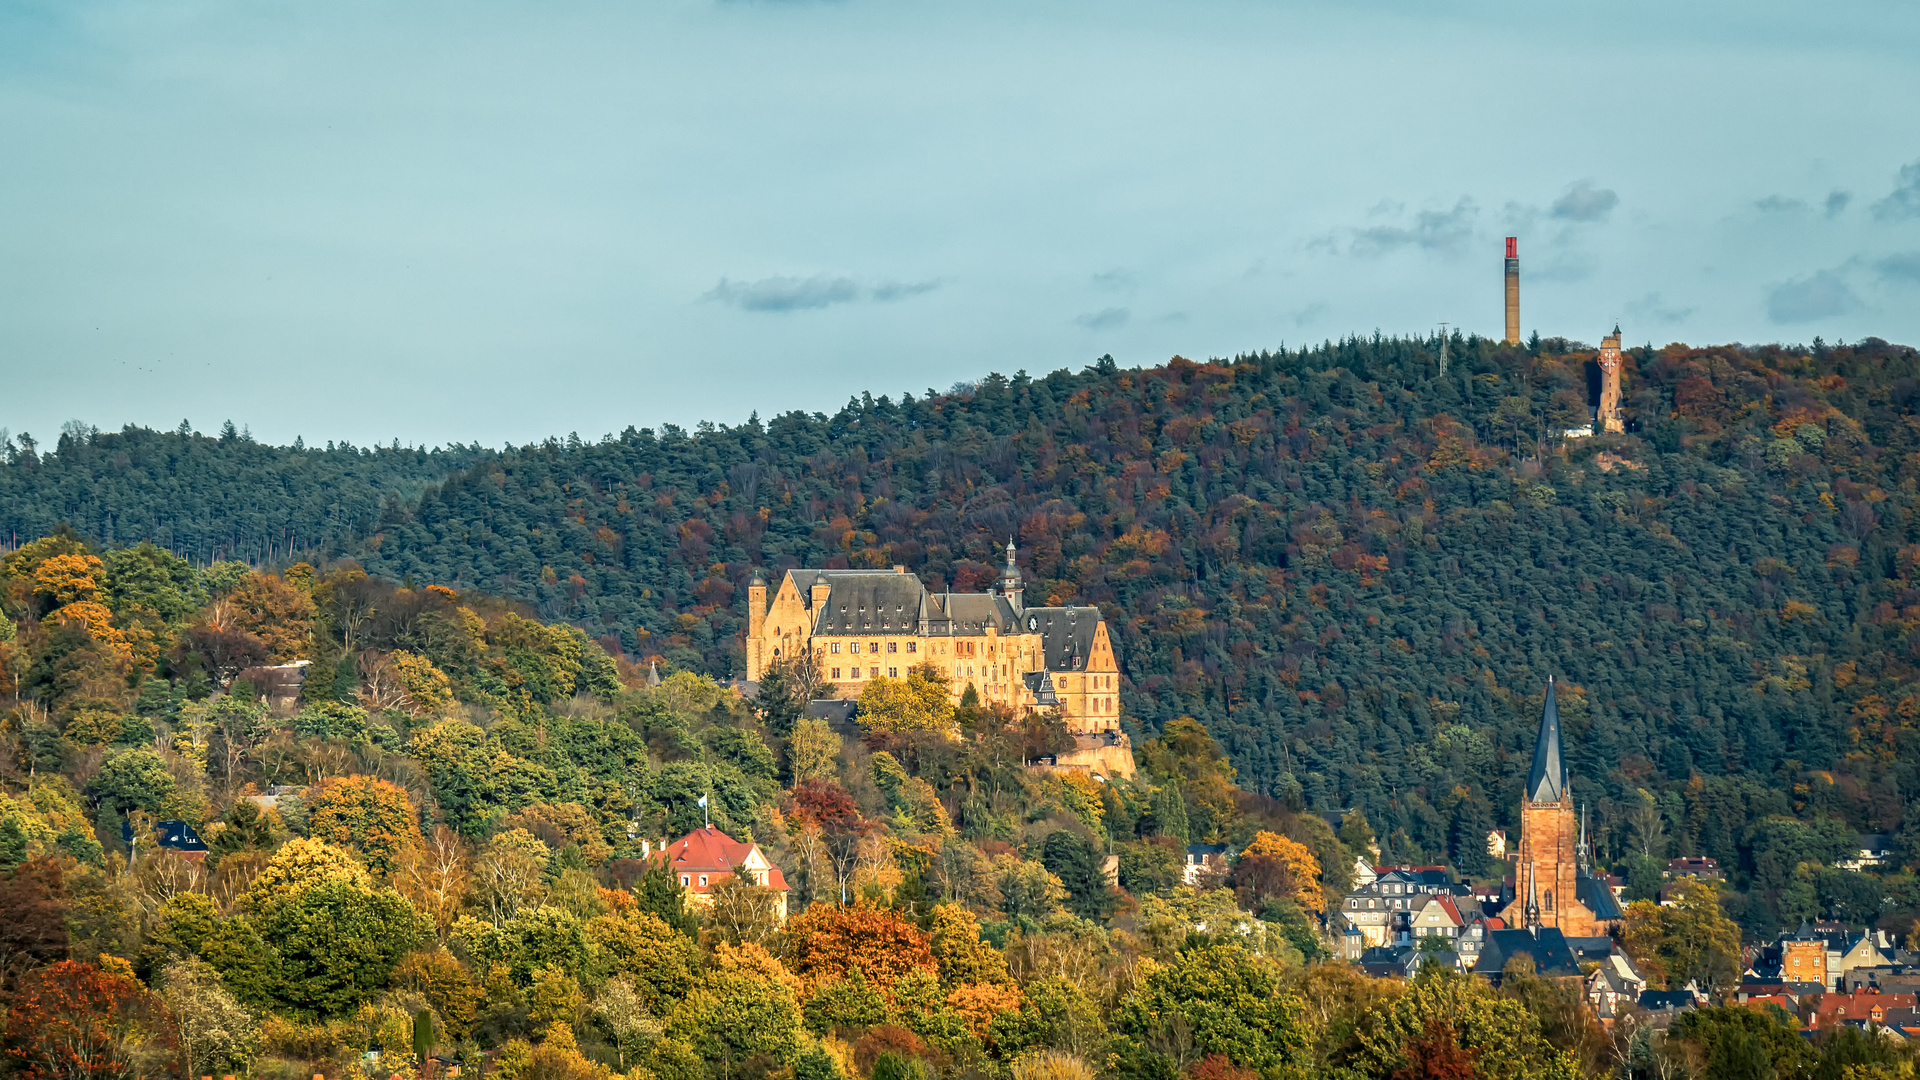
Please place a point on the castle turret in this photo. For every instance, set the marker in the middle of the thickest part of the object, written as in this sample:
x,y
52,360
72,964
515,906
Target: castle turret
x,y
756,622
1012,586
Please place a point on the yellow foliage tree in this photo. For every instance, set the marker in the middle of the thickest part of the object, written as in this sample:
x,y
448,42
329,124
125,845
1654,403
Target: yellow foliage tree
x,y
427,687
299,865
1299,862
69,579
98,622
919,702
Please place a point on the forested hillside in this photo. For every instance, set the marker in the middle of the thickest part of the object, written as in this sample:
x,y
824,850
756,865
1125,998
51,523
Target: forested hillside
x,y
209,498
1355,572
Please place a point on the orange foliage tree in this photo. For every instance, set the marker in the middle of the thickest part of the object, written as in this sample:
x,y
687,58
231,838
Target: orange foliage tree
x,y
828,941
1274,866
372,816
74,1021
275,612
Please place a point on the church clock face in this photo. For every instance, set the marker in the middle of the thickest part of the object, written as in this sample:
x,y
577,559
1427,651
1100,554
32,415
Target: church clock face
x,y
1033,622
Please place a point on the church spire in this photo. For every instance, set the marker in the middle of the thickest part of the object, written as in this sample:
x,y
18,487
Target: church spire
x,y
1533,901
1547,781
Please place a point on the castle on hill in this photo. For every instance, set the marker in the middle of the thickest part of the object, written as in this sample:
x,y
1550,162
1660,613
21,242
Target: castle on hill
x,y
863,625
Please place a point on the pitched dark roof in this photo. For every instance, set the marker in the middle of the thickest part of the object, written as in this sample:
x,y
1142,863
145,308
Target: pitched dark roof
x,y
1551,956
1660,1000
973,613
1040,685
865,601
1066,634
1599,899
1547,780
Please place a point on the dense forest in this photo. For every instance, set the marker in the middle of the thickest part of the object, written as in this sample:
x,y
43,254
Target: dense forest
x,y
1355,572
435,850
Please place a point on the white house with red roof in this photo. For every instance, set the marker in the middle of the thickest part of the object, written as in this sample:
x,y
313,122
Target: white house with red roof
x,y
706,856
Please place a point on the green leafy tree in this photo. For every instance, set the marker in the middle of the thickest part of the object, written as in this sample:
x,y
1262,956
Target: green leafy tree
x,y
1220,999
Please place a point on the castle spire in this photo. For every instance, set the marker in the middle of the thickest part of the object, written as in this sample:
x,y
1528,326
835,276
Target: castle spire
x,y
1547,781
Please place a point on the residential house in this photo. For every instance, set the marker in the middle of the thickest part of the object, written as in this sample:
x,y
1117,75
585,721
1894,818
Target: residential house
x,y
705,857
1203,861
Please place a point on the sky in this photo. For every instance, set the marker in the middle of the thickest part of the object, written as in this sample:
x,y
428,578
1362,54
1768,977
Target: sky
x,y
491,221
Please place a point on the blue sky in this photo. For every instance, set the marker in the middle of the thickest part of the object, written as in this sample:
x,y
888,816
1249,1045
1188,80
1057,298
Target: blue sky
x,y
496,221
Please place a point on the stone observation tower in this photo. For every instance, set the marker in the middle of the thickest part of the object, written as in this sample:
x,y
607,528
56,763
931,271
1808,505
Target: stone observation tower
x,y
1606,415
1513,290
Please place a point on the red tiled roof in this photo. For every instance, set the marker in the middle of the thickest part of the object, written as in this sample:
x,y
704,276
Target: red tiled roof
x,y
1860,1006
709,851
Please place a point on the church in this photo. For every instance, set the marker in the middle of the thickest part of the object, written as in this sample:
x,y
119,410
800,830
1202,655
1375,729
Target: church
x,y
1553,885
863,625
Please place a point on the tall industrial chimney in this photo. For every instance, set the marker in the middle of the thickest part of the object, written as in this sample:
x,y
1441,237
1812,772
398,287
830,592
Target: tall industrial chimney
x,y
1513,291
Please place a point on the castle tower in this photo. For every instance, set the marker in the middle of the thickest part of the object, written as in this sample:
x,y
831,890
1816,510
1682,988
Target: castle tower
x,y
1608,416
1550,841
1513,290
756,623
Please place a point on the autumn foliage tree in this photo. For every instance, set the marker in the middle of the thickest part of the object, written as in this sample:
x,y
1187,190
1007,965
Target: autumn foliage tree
x,y
1275,867
827,941
371,816
75,1021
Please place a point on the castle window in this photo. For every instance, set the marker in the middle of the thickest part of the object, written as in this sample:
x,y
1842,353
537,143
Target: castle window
x,y
893,646
1549,899
893,673
835,647
873,646
873,673
853,647
913,646
836,673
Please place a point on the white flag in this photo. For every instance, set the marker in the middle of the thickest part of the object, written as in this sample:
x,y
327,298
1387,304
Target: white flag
x,y
703,800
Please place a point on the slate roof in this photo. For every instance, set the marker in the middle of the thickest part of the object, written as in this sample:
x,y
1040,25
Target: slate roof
x,y
865,601
1066,634
1599,899
1547,780
1665,1000
1551,956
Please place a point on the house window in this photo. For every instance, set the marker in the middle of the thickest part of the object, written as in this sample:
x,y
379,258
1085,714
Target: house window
x,y
853,647
893,673
836,673
873,673
703,881
835,647
685,880
893,646
913,646
873,646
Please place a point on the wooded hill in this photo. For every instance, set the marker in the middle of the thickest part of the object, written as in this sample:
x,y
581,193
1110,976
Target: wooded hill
x,y
1356,573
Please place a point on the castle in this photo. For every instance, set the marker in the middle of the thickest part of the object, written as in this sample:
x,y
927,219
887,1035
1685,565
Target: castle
x,y
863,625
1552,885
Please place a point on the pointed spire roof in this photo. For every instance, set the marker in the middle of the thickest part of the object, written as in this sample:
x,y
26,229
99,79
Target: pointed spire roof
x,y
653,674
1547,780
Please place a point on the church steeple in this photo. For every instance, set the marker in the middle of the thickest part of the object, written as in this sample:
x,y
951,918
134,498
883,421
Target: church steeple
x,y
1547,781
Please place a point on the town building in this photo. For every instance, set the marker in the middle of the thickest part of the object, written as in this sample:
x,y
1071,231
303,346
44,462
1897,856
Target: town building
x,y
862,625
705,857
1553,885
1204,862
